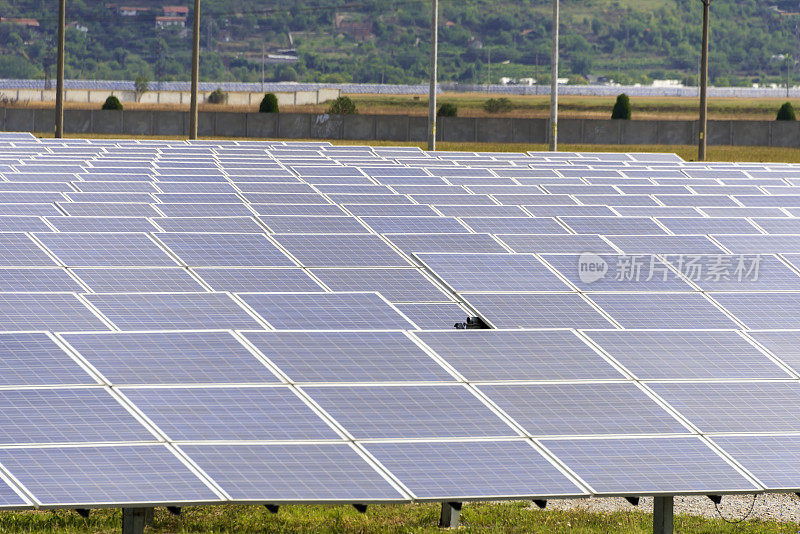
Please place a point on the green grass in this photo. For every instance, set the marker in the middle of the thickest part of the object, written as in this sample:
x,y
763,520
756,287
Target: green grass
x,y
478,517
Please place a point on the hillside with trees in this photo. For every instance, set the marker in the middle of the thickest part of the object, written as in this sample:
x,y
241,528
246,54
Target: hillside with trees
x,y
377,41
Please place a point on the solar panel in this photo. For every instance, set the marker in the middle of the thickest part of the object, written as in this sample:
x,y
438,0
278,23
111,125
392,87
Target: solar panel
x,y
708,225
341,250
415,243
29,416
105,250
324,311
101,224
123,474
396,285
433,316
171,311
39,279
519,355
18,250
604,272
536,310
46,311
203,210
110,209
225,250
34,359
515,225
391,412
642,466
426,225
209,224
170,358
492,272
287,473
771,459
613,225
762,310
230,413
313,225
736,407
576,244
154,280
665,244
257,279
662,310
456,470
347,356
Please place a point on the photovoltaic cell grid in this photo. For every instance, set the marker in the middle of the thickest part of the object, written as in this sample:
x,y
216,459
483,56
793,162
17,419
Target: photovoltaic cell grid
x,y
196,282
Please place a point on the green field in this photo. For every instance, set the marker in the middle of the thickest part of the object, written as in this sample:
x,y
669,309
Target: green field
x,y
479,517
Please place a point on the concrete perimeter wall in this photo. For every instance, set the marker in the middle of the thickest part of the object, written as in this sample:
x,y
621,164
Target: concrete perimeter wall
x,y
403,128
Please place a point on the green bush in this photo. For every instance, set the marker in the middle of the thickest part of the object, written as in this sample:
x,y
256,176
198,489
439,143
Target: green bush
x,y
112,102
497,105
269,104
622,108
447,110
217,96
342,106
786,113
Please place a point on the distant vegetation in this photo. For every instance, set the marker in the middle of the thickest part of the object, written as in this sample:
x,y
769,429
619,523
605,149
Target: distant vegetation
x,y
384,41
342,106
269,104
217,96
447,110
498,105
112,103
786,113
622,108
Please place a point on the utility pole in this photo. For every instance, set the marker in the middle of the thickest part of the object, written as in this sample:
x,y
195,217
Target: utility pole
x,y
788,63
488,69
195,70
62,23
262,66
554,83
433,74
701,150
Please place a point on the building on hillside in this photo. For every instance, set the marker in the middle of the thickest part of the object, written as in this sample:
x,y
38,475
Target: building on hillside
x,y
78,26
175,11
166,22
30,23
131,11
359,30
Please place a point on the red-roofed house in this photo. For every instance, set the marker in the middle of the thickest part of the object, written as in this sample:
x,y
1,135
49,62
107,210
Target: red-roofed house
x,y
31,23
166,22
175,11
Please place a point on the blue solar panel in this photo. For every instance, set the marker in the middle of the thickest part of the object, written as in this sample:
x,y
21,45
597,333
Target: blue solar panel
x,y
17,250
313,225
154,280
225,250
515,225
763,310
396,285
662,310
323,311
28,209
784,345
519,355
773,460
413,243
32,280
665,244
298,209
492,272
654,355
106,250
582,409
34,359
204,210
393,412
11,223
112,209
75,476
257,279
209,224
736,407
472,469
341,250
347,356
641,272
434,316
641,466
42,311
576,244
65,416
740,272
613,225
241,413
281,473
424,225
168,311
101,224
170,358
536,310
482,211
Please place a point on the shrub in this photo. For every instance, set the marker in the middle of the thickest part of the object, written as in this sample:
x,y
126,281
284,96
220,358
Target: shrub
x,y
112,102
622,108
786,113
269,104
342,106
497,105
447,110
217,96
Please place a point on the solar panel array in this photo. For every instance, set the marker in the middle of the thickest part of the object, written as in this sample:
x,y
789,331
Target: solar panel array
x,y
270,322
